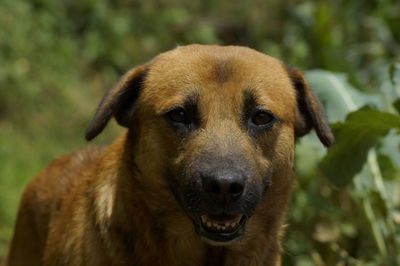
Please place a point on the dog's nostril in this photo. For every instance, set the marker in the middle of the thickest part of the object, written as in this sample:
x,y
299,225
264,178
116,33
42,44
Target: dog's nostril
x,y
214,187
228,187
211,185
236,189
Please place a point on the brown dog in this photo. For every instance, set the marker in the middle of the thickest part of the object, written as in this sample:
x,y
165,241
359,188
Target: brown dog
x,y
202,177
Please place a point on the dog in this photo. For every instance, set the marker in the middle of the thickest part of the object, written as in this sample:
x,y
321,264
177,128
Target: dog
x,y
202,176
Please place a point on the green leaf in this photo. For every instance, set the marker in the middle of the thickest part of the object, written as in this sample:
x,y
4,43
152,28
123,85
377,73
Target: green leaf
x,y
387,167
394,73
390,147
338,96
396,105
361,131
390,88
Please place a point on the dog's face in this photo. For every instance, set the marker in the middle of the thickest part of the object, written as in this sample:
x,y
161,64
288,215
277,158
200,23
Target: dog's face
x,y
215,125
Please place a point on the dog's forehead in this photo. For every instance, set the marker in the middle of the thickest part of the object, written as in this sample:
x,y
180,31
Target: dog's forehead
x,y
216,70
218,63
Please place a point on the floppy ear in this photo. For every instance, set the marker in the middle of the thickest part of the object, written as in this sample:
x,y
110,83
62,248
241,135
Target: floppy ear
x,y
310,112
118,102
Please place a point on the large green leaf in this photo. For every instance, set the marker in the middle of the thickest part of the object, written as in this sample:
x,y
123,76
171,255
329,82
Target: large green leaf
x,y
390,88
396,105
338,96
361,131
394,74
390,147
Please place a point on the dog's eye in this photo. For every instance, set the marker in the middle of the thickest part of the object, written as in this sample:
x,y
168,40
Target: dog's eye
x,y
262,118
177,115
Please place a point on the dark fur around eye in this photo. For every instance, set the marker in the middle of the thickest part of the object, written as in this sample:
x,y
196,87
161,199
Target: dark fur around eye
x,y
262,118
184,118
177,115
255,117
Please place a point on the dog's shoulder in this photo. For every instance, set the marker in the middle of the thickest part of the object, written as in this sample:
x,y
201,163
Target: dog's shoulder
x,y
65,169
46,190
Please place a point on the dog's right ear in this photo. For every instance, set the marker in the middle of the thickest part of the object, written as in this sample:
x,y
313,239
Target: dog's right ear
x,y
118,102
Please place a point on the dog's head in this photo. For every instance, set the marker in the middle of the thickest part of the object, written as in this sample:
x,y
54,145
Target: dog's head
x,y
217,126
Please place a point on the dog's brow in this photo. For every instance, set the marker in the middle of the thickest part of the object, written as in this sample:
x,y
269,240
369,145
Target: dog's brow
x,y
185,101
253,98
191,106
250,100
189,103
191,100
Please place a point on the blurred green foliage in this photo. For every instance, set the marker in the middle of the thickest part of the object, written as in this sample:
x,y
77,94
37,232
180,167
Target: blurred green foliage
x,y
58,57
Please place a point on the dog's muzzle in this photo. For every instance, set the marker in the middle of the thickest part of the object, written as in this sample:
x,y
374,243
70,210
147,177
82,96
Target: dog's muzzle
x,y
220,203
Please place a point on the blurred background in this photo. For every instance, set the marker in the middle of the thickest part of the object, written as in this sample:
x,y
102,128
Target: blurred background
x,y
57,58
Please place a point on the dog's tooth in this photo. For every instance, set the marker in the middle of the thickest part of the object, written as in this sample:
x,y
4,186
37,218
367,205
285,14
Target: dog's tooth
x,y
215,225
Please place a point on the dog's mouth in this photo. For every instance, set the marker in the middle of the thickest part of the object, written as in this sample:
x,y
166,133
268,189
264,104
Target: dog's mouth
x,y
222,228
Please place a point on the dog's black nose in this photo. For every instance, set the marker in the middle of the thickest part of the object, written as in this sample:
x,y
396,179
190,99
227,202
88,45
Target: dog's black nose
x,y
226,186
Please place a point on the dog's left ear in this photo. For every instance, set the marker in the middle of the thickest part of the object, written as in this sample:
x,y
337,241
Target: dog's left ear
x,y
310,113
118,102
